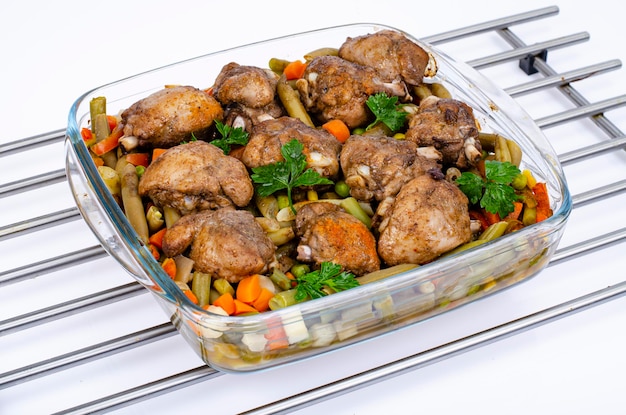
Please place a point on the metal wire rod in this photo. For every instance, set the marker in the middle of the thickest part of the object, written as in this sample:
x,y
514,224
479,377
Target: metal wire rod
x,y
39,223
32,183
32,142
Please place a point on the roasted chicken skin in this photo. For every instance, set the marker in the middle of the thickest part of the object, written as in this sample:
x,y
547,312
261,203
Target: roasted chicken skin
x,y
196,176
428,217
377,167
225,243
449,126
321,148
329,234
392,55
169,116
249,86
332,87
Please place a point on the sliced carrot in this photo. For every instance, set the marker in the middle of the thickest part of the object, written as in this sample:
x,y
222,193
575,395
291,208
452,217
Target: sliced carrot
x,y
491,217
294,70
192,297
169,265
540,191
87,136
226,302
109,143
248,289
154,251
112,122
98,161
276,335
157,152
137,159
243,308
517,210
262,302
337,128
156,238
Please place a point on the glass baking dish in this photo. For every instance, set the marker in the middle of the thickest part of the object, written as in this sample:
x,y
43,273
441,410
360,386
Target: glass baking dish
x,y
235,344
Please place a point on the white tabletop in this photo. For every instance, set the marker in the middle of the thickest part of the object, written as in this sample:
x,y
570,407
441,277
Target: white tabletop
x,y
54,51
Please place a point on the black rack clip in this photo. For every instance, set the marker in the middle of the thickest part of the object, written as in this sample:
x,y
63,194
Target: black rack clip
x,y
527,63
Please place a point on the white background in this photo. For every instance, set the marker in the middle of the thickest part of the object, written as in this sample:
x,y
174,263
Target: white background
x,y
51,52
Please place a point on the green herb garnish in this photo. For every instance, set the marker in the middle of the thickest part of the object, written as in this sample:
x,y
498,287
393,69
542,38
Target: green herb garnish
x,y
230,136
311,285
495,193
386,110
287,174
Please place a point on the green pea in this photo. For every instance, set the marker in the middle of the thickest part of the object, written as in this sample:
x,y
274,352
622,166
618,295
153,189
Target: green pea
x,y
342,189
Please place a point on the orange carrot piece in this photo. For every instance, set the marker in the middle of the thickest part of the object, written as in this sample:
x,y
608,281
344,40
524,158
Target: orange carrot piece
x,y
492,217
154,251
169,265
262,302
226,302
192,297
108,143
156,238
137,159
517,210
248,289
294,70
112,122
543,202
337,128
243,308
98,161
157,152
276,335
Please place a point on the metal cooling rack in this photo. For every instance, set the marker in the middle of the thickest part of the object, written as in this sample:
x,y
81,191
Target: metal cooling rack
x,y
532,59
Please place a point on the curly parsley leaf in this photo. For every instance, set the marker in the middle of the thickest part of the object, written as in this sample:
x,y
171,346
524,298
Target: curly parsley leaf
x,y
494,192
287,174
386,110
312,284
230,136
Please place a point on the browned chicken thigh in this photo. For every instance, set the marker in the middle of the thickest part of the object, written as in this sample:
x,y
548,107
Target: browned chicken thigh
x,y
332,87
448,125
321,148
248,94
390,53
169,116
225,243
196,176
377,167
428,218
329,234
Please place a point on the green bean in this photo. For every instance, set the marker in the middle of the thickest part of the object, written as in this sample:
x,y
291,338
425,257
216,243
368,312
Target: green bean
x,y
502,150
320,52
465,247
280,279
278,65
298,270
291,101
111,179
515,151
201,287
342,189
529,216
440,91
102,131
222,286
133,205
487,141
283,299
97,105
494,231
422,91
283,201
385,273
352,206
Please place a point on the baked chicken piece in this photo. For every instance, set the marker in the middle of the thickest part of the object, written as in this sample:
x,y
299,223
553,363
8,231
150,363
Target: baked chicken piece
x,y
169,116
248,94
392,54
329,234
332,87
428,217
321,148
226,243
196,176
449,126
377,167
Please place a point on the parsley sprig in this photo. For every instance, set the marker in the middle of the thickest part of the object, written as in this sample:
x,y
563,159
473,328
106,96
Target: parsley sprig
x,y
386,110
494,191
287,174
330,275
230,136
